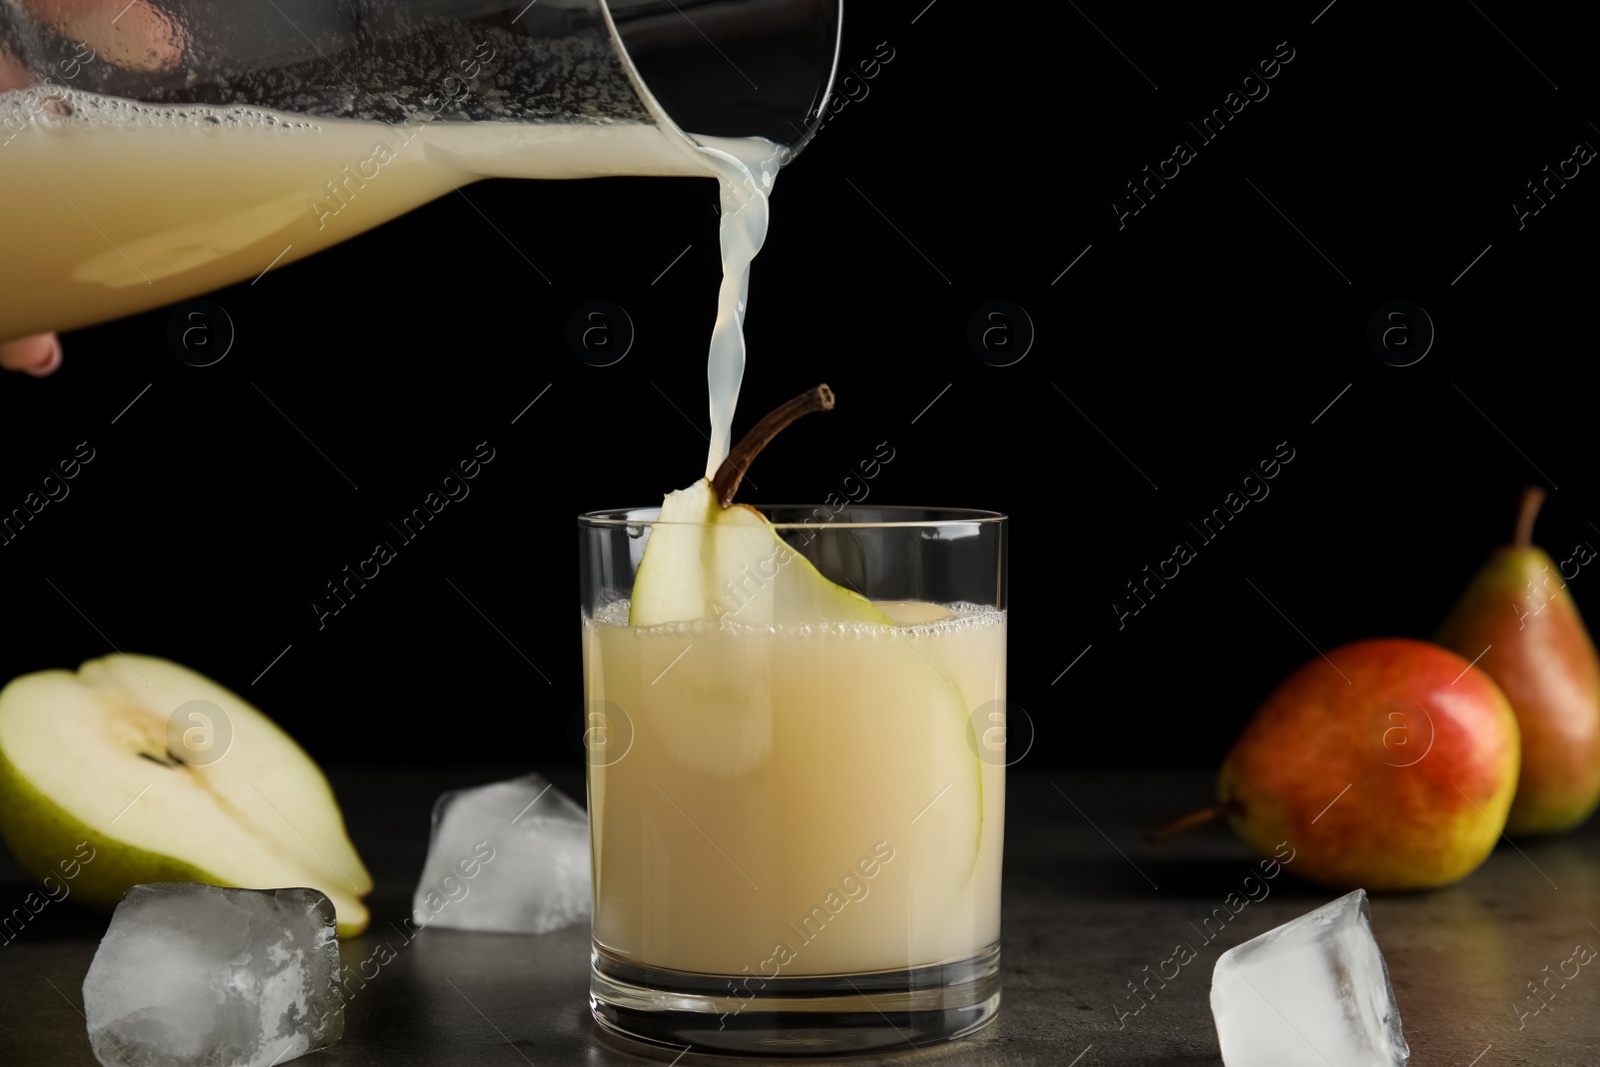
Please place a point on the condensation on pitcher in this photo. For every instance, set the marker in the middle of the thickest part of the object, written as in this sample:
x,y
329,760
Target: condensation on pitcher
x,y
455,70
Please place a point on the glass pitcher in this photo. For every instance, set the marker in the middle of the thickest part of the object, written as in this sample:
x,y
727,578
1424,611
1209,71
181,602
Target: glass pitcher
x,y
156,149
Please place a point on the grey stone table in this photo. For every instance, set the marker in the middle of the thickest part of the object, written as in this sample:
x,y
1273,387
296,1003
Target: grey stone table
x,y
1087,907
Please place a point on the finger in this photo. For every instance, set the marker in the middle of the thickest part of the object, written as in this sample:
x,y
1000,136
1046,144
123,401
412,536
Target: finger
x,y
135,36
37,356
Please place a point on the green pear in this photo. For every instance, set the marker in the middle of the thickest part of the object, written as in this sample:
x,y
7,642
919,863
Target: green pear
x,y
136,770
1520,623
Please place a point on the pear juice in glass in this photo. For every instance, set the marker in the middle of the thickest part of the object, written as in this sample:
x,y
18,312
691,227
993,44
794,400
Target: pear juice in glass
x,y
796,775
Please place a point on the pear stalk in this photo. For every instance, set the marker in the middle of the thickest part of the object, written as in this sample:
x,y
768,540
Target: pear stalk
x,y
1532,499
1193,821
725,483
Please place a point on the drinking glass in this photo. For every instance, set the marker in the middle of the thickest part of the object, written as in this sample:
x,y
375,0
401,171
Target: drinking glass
x,y
797,826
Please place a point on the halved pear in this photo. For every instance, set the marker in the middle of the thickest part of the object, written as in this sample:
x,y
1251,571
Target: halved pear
x,y
84,758
710,559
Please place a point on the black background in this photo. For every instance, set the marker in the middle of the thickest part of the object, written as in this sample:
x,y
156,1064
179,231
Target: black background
x,y
980,163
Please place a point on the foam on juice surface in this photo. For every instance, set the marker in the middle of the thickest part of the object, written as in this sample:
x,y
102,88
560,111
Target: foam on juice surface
x,y
55,109
914,618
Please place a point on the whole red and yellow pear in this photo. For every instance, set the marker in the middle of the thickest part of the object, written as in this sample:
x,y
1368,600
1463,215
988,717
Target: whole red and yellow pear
x,y
1388,764
1519,620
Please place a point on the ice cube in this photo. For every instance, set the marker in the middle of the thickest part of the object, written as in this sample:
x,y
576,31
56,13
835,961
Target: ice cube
x,y
190,975
510,857
1312,993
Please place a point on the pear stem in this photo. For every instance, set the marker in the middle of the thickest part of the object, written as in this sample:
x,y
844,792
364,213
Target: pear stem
x,y
726,481
1193,821
1532,498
